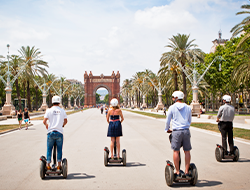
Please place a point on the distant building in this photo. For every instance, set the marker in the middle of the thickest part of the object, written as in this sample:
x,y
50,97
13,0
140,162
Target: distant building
x,y
74,81
217,42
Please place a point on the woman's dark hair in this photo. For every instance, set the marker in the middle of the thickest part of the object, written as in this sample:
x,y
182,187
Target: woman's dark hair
x,y
56,104
116,107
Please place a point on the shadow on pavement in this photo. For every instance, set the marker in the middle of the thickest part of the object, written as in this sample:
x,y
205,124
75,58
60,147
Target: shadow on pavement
x,y
70,176
129,164
134,164
243,160
230,160
79,176
207,183
200,183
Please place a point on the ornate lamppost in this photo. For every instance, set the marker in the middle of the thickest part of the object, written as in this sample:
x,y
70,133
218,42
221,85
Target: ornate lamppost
x,y
195,106
8,108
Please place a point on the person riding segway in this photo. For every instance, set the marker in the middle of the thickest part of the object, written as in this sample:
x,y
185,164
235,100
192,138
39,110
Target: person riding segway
x,y
57,120
225,119
115,132
181,116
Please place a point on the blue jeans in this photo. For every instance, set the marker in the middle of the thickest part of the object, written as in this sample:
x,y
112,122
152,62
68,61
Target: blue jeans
x,y
52,138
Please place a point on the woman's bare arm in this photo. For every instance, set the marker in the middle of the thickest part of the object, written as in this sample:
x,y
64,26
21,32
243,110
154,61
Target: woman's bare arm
x,y
122,118
108,116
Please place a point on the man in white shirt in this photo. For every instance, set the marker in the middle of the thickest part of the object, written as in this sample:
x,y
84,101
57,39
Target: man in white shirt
x,y
58,119
181,116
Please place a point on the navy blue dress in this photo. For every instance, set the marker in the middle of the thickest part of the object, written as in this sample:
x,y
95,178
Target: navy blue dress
x,y
115,127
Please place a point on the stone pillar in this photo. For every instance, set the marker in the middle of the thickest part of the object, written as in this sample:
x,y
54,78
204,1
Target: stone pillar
x,y
144,105
125,101
8,108
75,102
132,102
69,102
44,105
135,101
129,103
195,106
159,106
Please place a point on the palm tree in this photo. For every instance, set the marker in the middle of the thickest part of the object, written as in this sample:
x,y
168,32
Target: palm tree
x,y
244,25
34,67
16,62
62,81
48,80
184,51
168,65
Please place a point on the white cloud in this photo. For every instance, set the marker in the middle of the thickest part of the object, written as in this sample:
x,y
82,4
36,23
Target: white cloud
x,y
103,36
164,18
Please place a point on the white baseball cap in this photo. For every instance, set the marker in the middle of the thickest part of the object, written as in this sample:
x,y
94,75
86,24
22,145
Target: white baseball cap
x,y
178,94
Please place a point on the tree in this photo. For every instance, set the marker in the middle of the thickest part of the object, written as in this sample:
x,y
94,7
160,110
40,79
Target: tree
x,y
106,99
16,62
49,79
97,96
243,26
183,51
34,67
220,81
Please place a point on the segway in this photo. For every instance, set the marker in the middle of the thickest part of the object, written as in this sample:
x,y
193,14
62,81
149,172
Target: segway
x,y
108,159
220,154
53,171
170,177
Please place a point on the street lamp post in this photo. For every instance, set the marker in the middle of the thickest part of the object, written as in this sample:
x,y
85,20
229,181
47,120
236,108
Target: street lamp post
x,y
8,108
159,89
60,91
44,91
195,106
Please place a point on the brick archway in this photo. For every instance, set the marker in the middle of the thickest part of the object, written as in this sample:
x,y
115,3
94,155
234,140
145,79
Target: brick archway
x,y
92,83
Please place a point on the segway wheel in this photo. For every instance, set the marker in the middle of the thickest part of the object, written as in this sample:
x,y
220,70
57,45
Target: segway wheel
x,y
169,175
42,169
124,157
65,168
236,153
106,157
194,173
218,154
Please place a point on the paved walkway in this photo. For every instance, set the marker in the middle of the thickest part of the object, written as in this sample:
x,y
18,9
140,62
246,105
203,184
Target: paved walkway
x,y
147,146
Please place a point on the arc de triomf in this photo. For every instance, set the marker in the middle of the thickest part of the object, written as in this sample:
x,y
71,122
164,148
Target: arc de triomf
x,y
92,83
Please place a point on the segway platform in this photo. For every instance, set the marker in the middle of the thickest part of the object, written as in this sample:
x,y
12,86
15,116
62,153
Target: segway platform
x,y
53,171
170,177
220,155
108,159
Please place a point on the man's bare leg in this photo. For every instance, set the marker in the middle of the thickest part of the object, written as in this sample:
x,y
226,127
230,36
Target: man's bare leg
x,y
187,161
176,161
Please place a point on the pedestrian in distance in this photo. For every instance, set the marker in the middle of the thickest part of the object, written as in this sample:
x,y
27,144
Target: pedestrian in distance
x,y
115,127
181,116
165,109
101,109
106,111
26,117
57,118
225,119
20,118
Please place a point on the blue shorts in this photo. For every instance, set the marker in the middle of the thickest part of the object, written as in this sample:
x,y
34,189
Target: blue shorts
x,y
181,137
26,120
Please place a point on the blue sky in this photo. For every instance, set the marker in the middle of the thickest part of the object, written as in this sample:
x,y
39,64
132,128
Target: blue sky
x,y
106,35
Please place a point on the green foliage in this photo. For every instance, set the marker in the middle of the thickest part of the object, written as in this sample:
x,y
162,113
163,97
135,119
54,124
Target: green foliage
x,y
106,99
97,98
220,81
